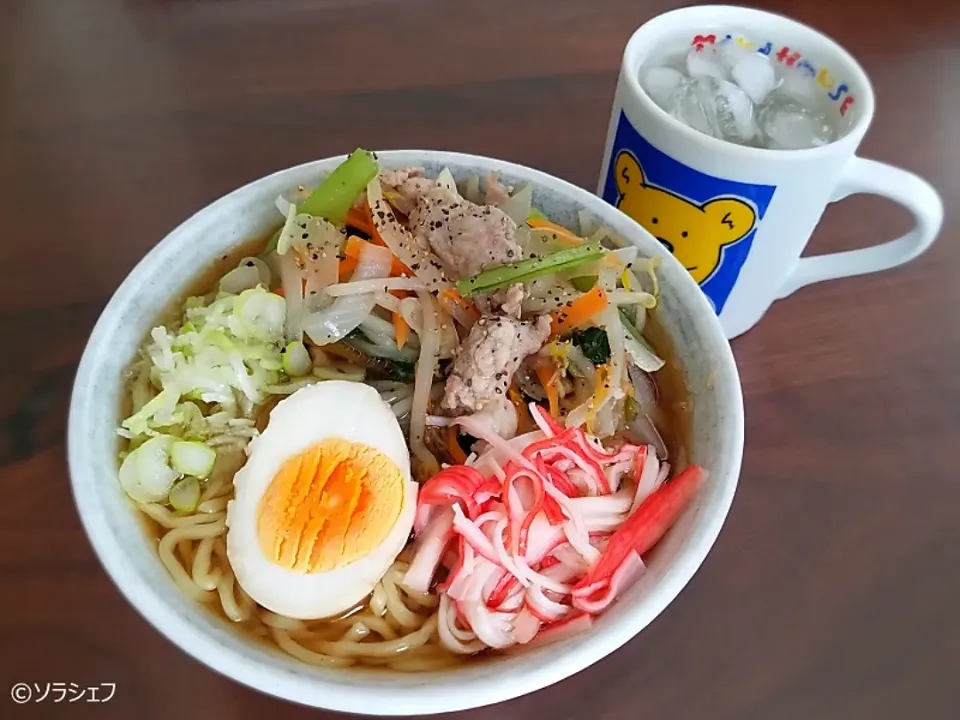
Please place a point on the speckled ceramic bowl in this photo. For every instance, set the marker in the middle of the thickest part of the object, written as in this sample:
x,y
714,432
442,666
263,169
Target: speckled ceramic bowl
x,y
128,554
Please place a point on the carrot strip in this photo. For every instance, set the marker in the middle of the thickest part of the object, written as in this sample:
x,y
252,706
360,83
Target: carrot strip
x,y
359,218
354,246
579,311
453,296
345,268
397,269
453,447
546,374
561,231
525,421
401,328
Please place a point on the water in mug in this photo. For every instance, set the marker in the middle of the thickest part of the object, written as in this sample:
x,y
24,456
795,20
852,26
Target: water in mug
x,y
739,95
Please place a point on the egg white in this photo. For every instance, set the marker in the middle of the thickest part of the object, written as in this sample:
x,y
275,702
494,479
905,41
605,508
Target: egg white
x,y
332,409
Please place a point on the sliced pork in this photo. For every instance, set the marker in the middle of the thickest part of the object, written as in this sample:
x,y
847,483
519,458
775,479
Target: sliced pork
x,y
488,358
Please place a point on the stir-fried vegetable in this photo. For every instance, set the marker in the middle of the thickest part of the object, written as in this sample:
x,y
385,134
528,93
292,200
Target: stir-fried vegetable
x,y
579,311
584,282
559,230
525,270
355,246
593,343
247,275
347,312
548,374
427,464
405,248
517,206
640,351
400,327
333,197
360,342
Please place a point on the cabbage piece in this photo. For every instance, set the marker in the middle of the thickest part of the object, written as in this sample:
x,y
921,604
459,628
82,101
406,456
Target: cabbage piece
x,y
224,354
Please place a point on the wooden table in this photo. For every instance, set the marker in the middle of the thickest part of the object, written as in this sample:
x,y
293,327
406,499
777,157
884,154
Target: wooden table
x,y
833,589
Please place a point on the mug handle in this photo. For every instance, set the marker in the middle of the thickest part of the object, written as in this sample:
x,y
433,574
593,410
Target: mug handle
x,y
904,188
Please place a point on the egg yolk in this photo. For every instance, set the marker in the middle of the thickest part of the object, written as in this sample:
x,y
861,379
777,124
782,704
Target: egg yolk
x,y
328,506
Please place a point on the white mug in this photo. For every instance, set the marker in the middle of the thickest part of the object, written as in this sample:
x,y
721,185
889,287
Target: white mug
x,y
739,217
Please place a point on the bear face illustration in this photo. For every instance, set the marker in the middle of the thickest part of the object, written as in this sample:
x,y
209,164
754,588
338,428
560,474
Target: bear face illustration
x,y
695,234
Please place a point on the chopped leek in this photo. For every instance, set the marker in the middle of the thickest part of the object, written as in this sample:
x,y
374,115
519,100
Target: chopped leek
x,y
524,270
296,360
224,354
192,458
145,474
535,214
336,194
185,495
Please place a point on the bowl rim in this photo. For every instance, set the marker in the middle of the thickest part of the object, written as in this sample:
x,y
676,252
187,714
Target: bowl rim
x,y
392,698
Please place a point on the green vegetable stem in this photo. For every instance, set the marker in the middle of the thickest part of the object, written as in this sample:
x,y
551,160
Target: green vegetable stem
x,y
524,270
334,196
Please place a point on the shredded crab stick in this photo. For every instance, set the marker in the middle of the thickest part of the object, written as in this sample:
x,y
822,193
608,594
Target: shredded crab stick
x,y
535,536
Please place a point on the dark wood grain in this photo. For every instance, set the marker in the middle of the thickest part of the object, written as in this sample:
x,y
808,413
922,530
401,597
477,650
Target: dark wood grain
x,y
833,589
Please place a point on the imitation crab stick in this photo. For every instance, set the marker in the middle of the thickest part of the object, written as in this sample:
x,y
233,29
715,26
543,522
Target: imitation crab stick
x,y
646,525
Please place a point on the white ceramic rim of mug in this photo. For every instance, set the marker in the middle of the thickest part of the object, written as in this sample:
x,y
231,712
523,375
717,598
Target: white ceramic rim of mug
x,y
383,698
644,39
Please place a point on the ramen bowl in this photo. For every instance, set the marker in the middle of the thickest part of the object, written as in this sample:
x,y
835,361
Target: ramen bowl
x,y
129,554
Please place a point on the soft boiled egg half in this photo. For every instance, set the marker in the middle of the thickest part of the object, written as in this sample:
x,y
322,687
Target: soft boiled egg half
x,y
324,503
